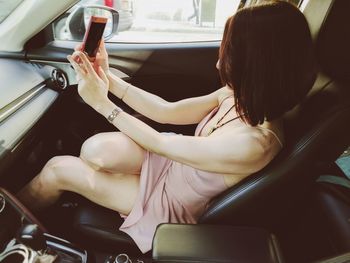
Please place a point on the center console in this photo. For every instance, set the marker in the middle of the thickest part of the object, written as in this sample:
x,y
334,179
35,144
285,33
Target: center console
x,y
214,243
24,239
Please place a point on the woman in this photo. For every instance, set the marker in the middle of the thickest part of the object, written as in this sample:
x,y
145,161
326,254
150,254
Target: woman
x,y
266,65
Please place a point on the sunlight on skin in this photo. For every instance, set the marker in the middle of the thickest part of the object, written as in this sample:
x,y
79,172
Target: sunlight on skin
x,y
92,180
95,153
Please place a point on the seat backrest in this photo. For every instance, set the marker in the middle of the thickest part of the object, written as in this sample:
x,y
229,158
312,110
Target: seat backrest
x,y
315,134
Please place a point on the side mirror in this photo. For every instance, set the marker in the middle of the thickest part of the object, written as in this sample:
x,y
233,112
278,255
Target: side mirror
x,y
79,18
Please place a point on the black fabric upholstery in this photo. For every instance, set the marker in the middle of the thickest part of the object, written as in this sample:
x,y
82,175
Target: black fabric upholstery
x,y
209,243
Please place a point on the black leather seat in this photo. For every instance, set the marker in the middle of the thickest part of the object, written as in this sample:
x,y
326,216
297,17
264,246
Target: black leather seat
x,y
98,227
333,213
315,133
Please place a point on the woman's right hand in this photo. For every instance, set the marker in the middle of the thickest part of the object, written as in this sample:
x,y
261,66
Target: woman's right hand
x,y
101,59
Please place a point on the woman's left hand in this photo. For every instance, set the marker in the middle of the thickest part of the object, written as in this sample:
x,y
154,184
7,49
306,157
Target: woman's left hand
x,y
92,86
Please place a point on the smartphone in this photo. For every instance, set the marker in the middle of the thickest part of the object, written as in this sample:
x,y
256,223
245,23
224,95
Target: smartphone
x,y
93,36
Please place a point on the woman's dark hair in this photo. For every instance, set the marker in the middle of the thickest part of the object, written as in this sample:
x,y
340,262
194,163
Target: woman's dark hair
x,y
267,58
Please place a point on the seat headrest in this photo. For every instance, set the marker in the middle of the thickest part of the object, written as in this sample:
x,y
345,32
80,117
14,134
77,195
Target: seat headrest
x,y
333,42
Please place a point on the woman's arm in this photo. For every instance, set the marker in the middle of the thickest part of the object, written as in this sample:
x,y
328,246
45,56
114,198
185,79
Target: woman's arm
x,y
240,154
221,154
186,111
226,153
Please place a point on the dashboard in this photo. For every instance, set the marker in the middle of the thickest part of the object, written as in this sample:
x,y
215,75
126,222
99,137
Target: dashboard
x,y
28,90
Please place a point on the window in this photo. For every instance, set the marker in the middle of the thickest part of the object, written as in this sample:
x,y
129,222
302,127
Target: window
x,y
160,21
6,8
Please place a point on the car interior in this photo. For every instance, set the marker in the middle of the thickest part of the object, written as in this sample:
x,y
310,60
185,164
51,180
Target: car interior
x,y
294,210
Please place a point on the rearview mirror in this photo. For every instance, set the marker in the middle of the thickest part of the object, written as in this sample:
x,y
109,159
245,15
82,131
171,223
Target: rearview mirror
x,y
78,20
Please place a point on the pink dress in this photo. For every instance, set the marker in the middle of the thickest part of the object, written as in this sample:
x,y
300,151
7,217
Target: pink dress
x,y
170,192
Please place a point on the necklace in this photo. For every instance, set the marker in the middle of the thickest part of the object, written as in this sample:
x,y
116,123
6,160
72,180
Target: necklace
x,y
218,124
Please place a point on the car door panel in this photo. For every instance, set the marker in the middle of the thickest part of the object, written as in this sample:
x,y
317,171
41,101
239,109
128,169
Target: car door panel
x,y
176,72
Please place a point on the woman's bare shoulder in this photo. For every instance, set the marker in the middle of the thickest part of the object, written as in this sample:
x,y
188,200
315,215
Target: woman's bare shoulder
x,y
249,146
224,92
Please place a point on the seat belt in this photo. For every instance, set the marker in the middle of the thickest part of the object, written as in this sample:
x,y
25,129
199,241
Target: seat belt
x,y
344,164
332,179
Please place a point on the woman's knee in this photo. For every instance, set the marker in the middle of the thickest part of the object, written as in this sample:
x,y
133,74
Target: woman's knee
x,y
56,173
113,152
94,149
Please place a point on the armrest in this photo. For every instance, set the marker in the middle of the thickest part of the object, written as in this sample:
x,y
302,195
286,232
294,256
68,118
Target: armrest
x,y
214,243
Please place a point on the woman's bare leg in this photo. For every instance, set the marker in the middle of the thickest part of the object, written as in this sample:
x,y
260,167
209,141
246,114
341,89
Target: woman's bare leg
x,y
69,173
113,152
96,178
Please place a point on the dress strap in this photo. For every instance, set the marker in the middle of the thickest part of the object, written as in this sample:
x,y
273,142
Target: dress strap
x,y
273,133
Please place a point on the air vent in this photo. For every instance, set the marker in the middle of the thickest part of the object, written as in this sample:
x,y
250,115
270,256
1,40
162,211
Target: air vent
x,y
38,66
59,79
34,65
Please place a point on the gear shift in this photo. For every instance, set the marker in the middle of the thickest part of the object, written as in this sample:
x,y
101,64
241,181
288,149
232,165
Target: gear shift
x,y
31,236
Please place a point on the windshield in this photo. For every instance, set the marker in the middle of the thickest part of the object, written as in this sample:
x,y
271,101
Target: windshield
x,y
6,7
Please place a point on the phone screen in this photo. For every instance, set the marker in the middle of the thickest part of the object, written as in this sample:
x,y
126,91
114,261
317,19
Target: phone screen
x,y
93,35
